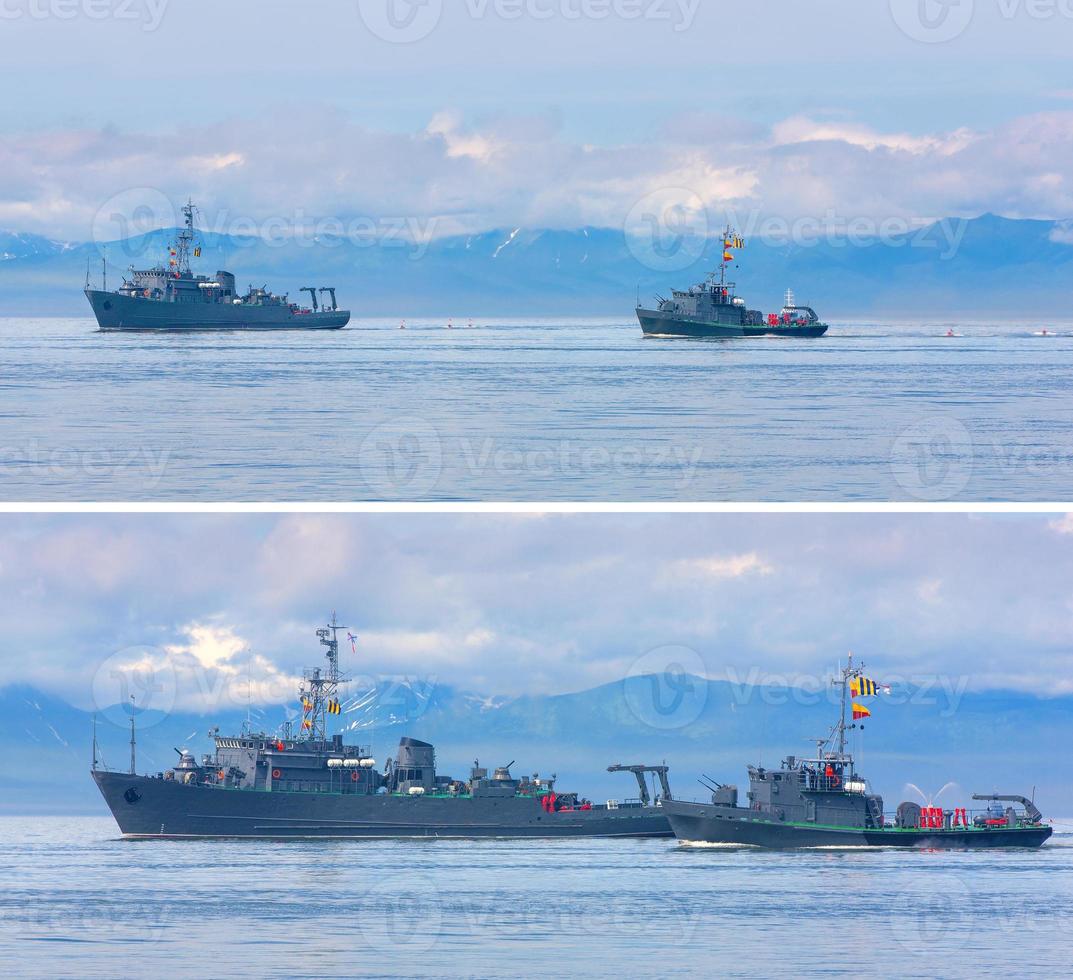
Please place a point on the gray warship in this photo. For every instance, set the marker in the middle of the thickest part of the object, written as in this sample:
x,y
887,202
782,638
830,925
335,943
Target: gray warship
x,y
171,297
712,309
312,784
824,801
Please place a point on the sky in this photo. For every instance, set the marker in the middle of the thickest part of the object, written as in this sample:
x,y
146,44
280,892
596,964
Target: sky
x,y
515,604
468,115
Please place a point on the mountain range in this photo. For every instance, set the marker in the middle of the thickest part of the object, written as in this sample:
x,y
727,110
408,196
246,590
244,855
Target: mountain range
x,y
1006,741
983,267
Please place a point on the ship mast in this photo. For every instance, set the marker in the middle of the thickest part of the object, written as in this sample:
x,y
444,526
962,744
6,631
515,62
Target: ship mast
x,y
184,243
729,240
133,744
846,671
838,733
319,692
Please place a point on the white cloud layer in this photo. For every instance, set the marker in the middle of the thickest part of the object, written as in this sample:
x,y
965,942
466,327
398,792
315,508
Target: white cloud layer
x,y
504,605
518,171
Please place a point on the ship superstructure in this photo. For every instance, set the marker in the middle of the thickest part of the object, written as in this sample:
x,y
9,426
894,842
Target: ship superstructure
x,y
823,800
713,309
306,781
170,296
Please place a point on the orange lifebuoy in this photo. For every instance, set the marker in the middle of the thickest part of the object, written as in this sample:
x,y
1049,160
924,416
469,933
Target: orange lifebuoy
x,y
353,777
276,774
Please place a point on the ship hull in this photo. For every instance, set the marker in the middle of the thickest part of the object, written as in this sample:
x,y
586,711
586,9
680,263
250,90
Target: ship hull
x,y
115,312
656,324
152,807
700,824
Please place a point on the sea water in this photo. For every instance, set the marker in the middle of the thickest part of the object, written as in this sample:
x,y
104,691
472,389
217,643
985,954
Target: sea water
x,y
79,901
542,410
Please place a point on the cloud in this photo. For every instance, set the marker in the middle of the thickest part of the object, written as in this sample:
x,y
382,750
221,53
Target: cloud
x,y
505,606
930,590
719,568
456,176
1063,525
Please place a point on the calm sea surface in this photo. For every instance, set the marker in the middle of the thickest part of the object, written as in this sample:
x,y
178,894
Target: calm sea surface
x,y
78,902
536,410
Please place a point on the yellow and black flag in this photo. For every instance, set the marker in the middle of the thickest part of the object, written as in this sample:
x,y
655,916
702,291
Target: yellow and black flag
x,y
197,252
862,687
335,708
